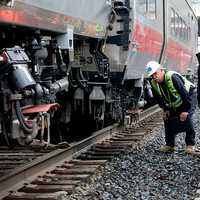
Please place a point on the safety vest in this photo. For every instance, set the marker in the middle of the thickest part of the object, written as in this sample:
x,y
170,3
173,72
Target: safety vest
x,y
172,98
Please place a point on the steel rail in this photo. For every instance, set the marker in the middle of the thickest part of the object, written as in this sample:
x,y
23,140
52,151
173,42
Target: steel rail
x,y
26,174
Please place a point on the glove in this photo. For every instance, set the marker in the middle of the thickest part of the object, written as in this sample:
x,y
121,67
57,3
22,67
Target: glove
x,y
183,116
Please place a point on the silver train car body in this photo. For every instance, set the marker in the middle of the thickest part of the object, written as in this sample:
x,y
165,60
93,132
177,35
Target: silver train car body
x,y
66,65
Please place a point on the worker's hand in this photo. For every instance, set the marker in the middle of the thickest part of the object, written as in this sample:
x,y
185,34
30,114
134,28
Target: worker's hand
x,y
183,116
166,115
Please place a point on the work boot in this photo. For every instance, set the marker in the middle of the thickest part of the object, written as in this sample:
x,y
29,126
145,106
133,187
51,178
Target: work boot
x,y
191,149
166,148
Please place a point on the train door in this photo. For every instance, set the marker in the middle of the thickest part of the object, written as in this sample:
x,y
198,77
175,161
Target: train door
x,y
147,41
147,37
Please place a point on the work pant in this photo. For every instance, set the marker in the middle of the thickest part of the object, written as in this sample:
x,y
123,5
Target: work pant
x,y
173,126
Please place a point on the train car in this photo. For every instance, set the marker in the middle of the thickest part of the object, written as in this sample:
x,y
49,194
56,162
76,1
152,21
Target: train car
x,y
69,66
164,31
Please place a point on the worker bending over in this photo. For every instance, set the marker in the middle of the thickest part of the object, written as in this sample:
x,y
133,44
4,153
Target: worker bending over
x,y
177,97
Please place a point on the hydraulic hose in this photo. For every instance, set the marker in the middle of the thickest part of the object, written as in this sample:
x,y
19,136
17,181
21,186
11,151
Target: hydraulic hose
x,y
28,128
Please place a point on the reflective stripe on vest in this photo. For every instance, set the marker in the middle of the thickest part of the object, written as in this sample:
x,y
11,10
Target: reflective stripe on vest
x,y
171,90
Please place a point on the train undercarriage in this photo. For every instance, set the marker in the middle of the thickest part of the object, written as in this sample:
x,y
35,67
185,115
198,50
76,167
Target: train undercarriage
x,y
47,92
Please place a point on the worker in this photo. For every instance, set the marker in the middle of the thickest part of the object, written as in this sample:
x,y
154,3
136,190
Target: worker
x,y
177,97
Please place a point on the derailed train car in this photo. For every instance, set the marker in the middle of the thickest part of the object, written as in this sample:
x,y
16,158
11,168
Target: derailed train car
x,y
68,66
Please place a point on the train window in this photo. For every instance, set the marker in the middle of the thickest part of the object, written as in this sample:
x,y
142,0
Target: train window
x,y
178,27
151,9
189,26
181,31
172,22
142,6
186,33
189,33
147,8
176,19
6,3
185,29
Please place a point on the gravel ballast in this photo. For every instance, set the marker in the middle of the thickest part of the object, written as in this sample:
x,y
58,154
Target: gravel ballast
x,y
144,173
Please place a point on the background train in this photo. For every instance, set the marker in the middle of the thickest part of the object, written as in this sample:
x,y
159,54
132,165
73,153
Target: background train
x,y
69,67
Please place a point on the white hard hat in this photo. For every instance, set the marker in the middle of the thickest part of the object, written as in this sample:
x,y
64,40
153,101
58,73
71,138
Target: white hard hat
x,y
152,67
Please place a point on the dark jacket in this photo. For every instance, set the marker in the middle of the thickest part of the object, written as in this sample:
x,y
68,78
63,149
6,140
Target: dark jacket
x,y
185,96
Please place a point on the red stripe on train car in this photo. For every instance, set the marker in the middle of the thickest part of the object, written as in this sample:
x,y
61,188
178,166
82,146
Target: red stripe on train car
x,y
150,41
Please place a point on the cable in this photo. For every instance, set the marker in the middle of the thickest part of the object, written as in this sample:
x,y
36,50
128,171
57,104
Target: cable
x,y
28,128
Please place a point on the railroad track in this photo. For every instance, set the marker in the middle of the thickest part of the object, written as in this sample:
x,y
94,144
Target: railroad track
x,y
58,172
12,158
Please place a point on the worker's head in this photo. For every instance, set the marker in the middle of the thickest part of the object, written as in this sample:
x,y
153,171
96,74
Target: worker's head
x,y
155,70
